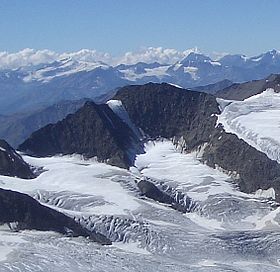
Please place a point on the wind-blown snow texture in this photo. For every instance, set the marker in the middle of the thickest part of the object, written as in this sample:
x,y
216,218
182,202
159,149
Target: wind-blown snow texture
x,y
256,121
225,231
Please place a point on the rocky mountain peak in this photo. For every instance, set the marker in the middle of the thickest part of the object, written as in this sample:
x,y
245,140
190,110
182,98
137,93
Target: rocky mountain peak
x,y
93,131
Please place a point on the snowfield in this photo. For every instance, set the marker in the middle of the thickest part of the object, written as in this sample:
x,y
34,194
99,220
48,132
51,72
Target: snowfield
x,y
63,68
227,231
256,120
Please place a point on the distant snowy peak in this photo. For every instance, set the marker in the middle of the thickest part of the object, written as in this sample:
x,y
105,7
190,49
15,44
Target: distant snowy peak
x,y
271,56
194,67
141,70
194,58
61,68
73,76
268,58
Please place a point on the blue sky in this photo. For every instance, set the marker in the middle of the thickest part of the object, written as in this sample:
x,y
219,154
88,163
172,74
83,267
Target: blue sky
x,y
117,26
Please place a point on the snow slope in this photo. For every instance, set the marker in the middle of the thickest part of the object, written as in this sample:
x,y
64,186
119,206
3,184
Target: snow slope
x,y
256,120
72,174
228,230
62,68
162,161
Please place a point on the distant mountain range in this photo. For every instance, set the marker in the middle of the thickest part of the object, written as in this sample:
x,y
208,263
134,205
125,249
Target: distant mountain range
x,y
17,127
241,91
37,86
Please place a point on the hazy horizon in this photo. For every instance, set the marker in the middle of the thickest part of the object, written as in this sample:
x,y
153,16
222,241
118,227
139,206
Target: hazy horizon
x,y
127,26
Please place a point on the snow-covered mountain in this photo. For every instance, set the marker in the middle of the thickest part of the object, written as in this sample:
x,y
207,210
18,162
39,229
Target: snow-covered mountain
x,y
79,76
183,191
118,129
195,197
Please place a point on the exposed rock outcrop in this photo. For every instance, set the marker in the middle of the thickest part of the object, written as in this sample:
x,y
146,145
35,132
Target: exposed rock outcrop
x,y
159,110
213,88
12,164
25,212
165,194
93,131
163,110
251,168
189,118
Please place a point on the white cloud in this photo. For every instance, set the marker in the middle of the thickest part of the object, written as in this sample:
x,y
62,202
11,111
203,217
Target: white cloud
x,y
29,56
155,54
88,56
26,57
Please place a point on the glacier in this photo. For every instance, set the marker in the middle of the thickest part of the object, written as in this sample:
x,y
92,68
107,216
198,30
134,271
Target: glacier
x,y
226,230
255,120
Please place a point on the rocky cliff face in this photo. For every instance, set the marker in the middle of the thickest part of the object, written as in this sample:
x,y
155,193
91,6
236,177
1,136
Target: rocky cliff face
x,y
189,118
93,131
250,168
23,212
160,110
12,164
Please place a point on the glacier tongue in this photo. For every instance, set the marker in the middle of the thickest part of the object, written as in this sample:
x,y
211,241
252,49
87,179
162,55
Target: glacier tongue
x,y
256,120
226,231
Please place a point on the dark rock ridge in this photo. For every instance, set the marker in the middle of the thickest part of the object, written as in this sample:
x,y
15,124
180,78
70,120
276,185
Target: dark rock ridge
x,y
159,110
12,164
93,131
255,170
189,118
18,127
165,194
26,213
241,91
163,110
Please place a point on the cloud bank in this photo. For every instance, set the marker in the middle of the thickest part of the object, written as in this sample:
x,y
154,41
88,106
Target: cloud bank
x,y
155,54
27,57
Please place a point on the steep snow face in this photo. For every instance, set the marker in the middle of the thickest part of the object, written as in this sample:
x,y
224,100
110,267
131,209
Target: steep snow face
x,y
256,120
117,107
227,231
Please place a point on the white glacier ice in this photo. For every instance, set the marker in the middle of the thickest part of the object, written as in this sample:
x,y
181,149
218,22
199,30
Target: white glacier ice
x,y
229,230
256,120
